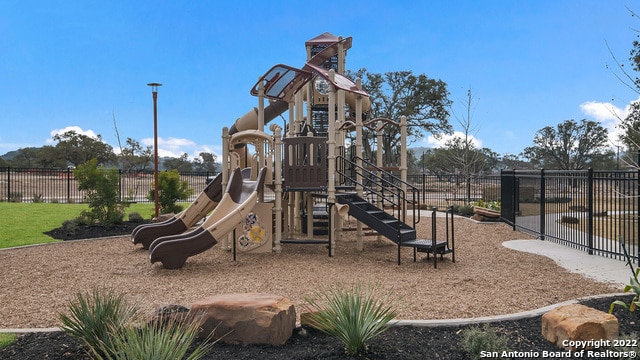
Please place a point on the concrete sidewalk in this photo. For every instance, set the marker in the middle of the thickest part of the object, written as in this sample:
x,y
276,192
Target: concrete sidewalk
x,y
599,268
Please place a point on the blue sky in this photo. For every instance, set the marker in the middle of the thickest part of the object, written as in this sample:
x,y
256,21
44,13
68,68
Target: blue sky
x,y
78,64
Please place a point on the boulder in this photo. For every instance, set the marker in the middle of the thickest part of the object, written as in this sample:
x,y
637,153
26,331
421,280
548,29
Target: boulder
x,y
251,318
577,327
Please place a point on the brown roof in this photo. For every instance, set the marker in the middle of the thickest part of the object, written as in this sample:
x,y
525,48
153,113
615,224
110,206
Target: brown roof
x,y
326,38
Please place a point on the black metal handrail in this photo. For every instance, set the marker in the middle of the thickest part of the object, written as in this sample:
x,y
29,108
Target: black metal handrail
x,y
398,199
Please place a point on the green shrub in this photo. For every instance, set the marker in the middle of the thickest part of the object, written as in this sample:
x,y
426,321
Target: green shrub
x,y
170,190
464,210
165,339
629,341
135,217
102,193
476,340
354,316
70,226
37,198
98,318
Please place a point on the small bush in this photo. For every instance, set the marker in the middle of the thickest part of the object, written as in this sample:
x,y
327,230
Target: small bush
x,y
135,217
566,219
464,210
97,318
70,227
15,197
170,190
354,316
476,340
37,198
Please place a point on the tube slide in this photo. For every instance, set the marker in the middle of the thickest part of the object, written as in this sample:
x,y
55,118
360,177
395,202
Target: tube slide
x,y
237,202
205,202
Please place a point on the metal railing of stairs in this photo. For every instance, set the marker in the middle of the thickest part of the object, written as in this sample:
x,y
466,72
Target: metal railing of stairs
x,y
384,189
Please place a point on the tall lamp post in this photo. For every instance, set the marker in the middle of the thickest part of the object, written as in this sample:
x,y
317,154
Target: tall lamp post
x,y
154,91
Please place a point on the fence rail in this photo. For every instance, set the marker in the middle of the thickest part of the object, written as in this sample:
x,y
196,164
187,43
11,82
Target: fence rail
x,y
60,186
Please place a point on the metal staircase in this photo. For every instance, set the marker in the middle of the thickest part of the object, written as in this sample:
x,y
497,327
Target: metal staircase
x,y
390,192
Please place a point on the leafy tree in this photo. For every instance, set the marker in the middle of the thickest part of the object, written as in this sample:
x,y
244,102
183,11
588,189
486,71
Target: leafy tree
x,y
181,164
630,126
49,157
512,161
26,158
570,146
206,162
133,157
422,100
102,190
170,190
78,148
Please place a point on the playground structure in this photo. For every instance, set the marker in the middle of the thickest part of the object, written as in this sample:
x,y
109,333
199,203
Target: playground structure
x,y
312,172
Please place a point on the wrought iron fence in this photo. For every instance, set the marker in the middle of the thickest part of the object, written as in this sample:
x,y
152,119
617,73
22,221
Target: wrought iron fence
x,y
60,185
594,211
444,190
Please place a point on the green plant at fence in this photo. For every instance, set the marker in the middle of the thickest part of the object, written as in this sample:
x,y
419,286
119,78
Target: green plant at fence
x,y
170,190
492,205
102,193
354,316
96,319
634,285
477,341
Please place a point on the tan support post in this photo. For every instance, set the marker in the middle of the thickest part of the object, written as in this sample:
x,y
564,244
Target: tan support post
x,y
278,186
358,151
226,163
403,158
331,149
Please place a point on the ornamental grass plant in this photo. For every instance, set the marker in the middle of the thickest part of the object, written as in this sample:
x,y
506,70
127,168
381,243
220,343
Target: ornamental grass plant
x,y
97,318
166,339
354,315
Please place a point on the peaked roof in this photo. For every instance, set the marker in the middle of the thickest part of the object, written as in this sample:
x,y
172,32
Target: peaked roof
x,y
326,38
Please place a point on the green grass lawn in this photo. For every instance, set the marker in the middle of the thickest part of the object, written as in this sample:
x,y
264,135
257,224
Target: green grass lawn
x,y
25,223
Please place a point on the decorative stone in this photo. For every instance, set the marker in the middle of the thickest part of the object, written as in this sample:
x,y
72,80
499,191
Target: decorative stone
x,y
252,318
577,327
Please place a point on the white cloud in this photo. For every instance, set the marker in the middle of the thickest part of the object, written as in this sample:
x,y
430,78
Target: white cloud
x,y
176,147
432,141
608,115
76,128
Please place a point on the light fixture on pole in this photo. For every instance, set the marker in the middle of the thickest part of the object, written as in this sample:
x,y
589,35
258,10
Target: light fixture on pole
x,y
154,91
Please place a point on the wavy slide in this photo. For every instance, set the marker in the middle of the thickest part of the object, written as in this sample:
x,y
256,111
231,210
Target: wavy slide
x,y
237,202
204,203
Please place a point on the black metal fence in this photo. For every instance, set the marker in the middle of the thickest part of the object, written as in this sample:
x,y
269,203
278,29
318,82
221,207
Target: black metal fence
x,y
589,210
445,190
60,186
594,211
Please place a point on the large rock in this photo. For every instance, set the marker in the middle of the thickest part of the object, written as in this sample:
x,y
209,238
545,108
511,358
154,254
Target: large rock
x,y
252,318
577,327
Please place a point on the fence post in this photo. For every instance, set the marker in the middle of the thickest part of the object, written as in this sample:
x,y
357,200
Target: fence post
x,y
119,185
68,185
8,183
590,210
542,204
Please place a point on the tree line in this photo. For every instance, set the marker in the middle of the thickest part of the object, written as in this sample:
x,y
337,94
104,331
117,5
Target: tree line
x,y
73,149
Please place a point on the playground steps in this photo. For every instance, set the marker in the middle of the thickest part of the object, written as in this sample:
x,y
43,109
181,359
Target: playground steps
x,y
377,219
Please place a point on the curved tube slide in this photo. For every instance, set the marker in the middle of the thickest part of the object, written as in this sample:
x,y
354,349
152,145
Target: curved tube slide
x,y
237,202
205,202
